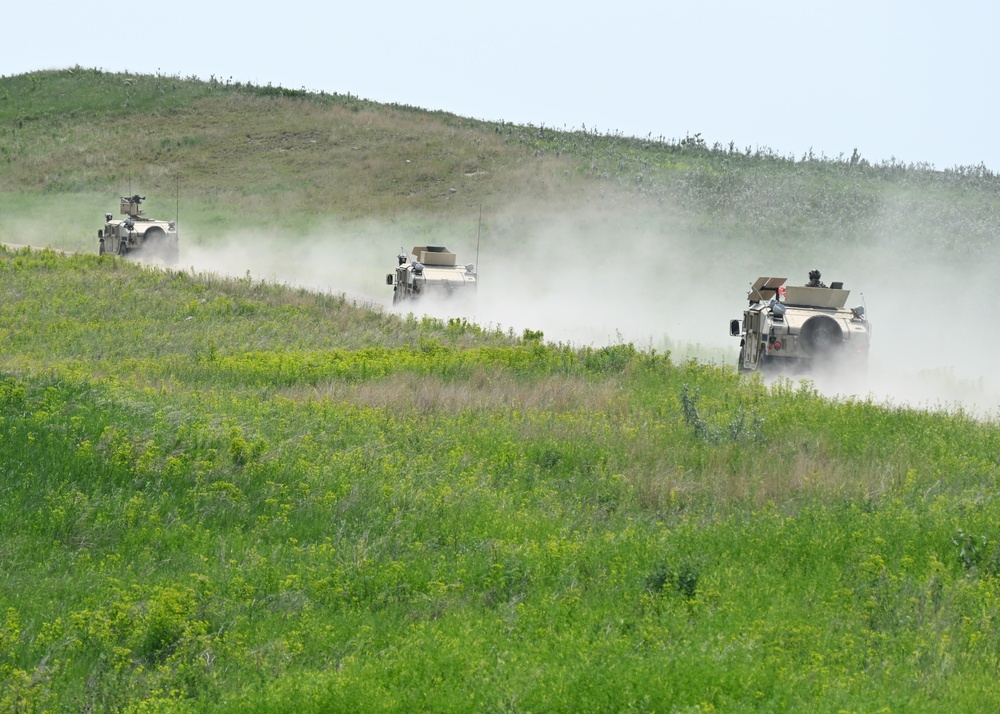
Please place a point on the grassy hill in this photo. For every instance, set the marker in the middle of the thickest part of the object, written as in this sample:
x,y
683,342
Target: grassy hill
x,y
230,494
242,155
235,155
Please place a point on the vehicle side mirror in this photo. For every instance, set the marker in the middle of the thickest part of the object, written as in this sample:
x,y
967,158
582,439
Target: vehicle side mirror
x,y
735,328
100,232
388,279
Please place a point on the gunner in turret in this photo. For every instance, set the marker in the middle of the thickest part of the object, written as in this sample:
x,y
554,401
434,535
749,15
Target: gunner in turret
x,y
814,280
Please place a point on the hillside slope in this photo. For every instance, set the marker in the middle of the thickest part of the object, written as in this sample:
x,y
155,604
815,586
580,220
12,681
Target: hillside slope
x,y
226,495
242,155
590,238
253,150
233,487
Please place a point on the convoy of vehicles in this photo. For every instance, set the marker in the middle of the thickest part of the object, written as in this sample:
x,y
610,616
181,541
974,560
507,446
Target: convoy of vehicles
x,y
785,328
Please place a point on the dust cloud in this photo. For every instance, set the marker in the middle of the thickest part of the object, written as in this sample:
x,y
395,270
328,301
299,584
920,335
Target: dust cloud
x,y
598,277
349,260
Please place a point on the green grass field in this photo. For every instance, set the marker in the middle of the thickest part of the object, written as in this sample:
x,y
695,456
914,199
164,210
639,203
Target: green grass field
x,y
227,495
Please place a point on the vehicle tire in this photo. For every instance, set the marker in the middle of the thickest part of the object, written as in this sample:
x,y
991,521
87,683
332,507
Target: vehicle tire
x,y
739,362
821,335
122,248
155,245
763,361
100,247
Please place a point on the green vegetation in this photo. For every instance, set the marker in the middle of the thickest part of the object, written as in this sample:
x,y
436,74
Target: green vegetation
x,y
224,495
241,156
244,156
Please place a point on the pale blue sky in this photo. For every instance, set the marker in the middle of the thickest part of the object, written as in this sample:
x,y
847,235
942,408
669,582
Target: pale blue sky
x,y
908,80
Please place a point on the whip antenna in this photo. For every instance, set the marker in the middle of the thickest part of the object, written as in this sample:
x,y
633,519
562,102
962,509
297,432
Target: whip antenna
x,y
479,235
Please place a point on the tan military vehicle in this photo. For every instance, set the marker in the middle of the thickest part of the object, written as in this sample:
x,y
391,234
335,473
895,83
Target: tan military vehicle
x,y
787,329
433,272
137,236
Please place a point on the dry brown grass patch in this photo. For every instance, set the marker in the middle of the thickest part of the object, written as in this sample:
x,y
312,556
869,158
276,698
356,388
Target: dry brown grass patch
x,y
662,485
484,391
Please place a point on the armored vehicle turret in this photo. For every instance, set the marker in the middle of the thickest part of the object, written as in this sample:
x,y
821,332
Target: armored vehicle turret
x,y
788,329
137,236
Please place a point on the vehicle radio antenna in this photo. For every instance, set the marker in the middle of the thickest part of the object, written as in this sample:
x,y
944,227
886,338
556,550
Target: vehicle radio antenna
x,y
479,236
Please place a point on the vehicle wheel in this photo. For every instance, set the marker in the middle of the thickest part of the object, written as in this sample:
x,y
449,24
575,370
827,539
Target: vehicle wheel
x,y
122,248
100,247
155,245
